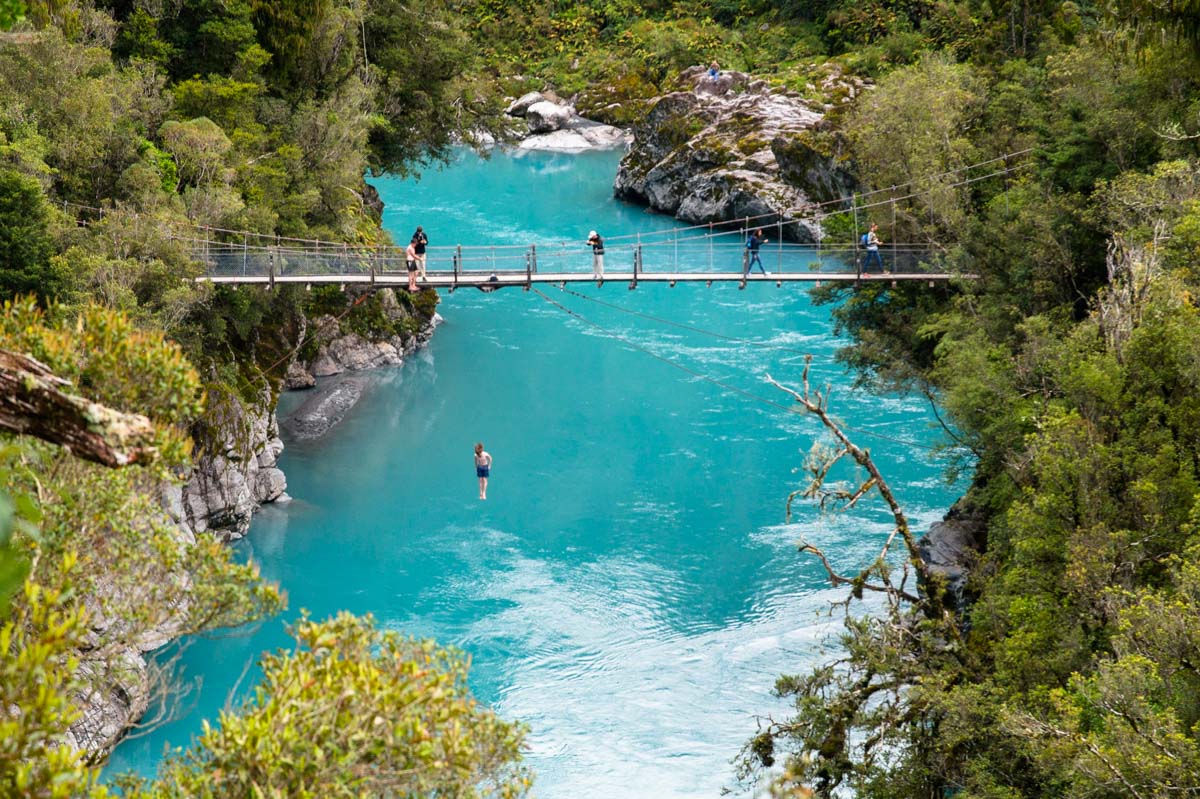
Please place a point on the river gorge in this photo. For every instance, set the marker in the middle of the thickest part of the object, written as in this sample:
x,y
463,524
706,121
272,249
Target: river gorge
x,y
629,590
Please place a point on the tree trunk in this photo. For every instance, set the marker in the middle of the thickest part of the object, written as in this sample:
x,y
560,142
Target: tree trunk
x,y
32,402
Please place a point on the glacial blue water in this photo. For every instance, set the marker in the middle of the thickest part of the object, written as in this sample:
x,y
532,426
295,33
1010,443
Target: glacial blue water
x,y
629,589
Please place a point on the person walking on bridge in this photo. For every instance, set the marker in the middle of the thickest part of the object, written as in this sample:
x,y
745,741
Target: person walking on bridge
x,y
597,255
753,244
419,240
871,239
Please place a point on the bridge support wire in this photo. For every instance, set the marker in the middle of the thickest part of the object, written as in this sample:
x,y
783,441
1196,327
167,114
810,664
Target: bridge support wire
x,y
791,409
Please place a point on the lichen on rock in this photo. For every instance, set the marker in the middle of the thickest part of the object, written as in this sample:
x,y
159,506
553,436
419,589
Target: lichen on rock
x,y
724,149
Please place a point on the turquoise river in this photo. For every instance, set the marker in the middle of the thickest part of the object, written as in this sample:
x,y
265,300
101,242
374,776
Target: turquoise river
x,y
629,590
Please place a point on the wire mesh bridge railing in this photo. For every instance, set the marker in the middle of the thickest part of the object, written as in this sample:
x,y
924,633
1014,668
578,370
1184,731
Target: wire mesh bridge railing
x,y
708,258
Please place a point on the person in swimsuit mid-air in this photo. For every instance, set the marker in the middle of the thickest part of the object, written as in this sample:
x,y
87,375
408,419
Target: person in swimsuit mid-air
x,y
483,468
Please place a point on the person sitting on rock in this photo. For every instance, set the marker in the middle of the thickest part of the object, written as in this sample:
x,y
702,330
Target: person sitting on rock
x,y
714,71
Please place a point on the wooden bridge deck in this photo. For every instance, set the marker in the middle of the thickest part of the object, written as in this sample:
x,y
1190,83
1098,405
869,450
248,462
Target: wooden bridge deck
x,y
449,280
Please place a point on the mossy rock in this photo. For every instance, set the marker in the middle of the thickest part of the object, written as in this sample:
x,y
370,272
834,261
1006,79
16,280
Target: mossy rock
x,y
623,102
676,131
749,145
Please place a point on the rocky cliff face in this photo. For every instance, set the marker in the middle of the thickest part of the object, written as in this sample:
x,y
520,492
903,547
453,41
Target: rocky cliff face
x,y
720,150
235,470
238,446
554,125
952,548
233,474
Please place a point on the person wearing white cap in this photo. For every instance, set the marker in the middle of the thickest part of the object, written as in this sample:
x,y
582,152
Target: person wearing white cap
x,y
597,254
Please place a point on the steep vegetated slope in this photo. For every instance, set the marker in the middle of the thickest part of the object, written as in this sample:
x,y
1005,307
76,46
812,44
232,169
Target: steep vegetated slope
x,y
127,131
1069,372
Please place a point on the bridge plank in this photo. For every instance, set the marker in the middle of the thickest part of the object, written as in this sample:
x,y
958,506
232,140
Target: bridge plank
x,y
502,279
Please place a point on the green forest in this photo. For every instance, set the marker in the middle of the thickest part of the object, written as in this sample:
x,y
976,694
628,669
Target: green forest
x,y
1068,372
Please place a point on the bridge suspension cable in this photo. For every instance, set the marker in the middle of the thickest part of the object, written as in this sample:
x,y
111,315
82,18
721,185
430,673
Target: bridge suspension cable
x,y
853,198
673,233
792,409
691,328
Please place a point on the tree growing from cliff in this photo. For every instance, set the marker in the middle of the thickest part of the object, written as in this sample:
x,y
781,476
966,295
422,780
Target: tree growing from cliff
x,y
853,714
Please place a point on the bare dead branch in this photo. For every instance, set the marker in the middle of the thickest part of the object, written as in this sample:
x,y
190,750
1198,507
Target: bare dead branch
x,y
859,580
816,403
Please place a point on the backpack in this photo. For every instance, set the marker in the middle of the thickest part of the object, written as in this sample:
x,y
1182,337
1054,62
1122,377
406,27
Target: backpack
x,y
865,238
750,242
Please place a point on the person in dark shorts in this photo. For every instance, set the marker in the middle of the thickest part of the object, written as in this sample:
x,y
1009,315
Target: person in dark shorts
x,y
410,259
483,468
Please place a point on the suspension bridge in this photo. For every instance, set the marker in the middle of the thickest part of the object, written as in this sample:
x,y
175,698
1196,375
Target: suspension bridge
x,y
709,258
708,253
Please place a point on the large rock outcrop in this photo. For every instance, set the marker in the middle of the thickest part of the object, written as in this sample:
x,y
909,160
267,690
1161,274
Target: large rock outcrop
x,y
118,695
724,149
342,350
545,116
327,406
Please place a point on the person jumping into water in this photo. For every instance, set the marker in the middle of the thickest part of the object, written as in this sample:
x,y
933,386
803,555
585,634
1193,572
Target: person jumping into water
x,y
483,468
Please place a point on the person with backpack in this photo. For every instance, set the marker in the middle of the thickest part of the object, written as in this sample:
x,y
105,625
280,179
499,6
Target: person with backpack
x,y
871,241
753,244
419,240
